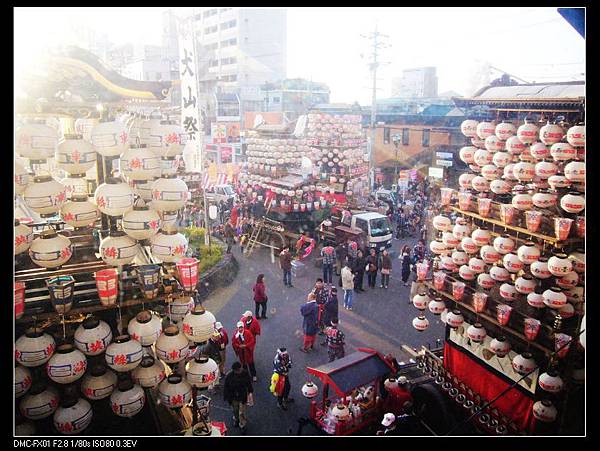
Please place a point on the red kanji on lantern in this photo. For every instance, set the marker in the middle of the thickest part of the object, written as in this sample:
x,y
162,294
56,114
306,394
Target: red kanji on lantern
x,y
177,399
109,252
172,138
68,216
135,163
180,249
65,427
135,336
156,194
75,156
17,354
153,224
120,359
80,366
49,349
27,381
20,239
66,252
60,197
174,354
89,392
123,137
187,329
101,202
115,408
54,402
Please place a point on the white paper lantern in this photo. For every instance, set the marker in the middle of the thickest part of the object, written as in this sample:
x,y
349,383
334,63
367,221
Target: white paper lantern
x,y
141,222
505,130
22,381
539,151
512,263
127,400
489,254
34,348
467,154
202,372
499,273
75,155
118,249
551,133
554,298
539,269
66,365
494,144
21,178
110,139
523,363
169,193
124,354
40,402
50,250
572,202
175,392
79,211
485,129
140,163
454,319
36,141
483,157
476,332
559,265
114,197
310,390
563,152
149,373
476,265
198,325
436,306
168,245
23,237
73,416
575,171
501,159
536,300
172,346
466,273
504,244
421,300
525,284
145,328
45,195
576,135
528,132
93,336
469,128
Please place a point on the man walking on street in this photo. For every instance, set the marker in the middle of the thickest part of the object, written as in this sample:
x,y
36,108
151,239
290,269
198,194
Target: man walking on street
x,y
347,286
285,261
310,327
358,268
329,257
229,236
335,340
243,345
340,252
223,342
238,393
282,363
373,264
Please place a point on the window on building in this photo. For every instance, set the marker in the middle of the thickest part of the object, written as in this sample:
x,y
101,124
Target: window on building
x,y
228,42
213,63
209,30
405,132
426,137
386,135
210,12
227,25
211,47
230,60
276,99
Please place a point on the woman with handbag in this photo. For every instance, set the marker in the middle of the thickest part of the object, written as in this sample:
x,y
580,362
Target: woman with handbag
x,y
386,269
260,297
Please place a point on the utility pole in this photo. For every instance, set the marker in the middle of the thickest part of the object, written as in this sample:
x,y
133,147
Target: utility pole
x,y
373,65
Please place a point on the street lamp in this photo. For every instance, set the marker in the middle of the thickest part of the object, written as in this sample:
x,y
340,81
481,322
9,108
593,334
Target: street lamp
x,y
396,140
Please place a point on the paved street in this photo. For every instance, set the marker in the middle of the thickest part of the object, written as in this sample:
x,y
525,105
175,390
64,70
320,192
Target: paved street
x,y
381,319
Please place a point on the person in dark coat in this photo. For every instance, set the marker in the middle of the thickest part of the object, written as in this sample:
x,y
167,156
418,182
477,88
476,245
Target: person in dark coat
x,y
373,261
282,363
285,261
341,251
260,297
358,268
406,263
331,308
212,349
386,269
310,326
238,392
229,236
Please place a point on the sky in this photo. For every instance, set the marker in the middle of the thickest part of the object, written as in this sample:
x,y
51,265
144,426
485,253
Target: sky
x,y
325,44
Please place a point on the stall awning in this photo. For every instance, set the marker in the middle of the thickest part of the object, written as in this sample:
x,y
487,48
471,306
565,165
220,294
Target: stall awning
x,y
352,371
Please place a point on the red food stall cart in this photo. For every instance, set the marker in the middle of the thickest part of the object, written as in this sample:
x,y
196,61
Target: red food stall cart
x,y
356,381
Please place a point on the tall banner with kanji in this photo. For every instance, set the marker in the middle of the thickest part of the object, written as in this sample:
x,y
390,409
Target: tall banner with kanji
x,y
190,102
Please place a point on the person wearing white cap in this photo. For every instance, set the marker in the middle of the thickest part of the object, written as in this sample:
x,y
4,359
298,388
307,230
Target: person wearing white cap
x,y
223,342
251,323
388,422
243,343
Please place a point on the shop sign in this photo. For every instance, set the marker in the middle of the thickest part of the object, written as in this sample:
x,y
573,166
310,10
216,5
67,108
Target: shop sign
x,y
445,163
436,172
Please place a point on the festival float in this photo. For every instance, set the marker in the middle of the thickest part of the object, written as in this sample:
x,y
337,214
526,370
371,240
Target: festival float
x,y
99,269
509,272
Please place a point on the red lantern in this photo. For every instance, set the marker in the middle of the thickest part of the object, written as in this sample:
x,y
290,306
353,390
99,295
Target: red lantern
x,y
533,219
458,290
107,282
507,212
439,278
503,313
531,328
19,299
479,301
562,343
188,273
464,200
422,269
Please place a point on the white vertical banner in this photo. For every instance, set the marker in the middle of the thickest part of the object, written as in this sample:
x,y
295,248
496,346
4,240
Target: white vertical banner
x,y
191,120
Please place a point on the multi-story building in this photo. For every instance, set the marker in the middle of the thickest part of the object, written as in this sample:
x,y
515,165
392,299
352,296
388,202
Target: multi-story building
x,y
418,82
239,50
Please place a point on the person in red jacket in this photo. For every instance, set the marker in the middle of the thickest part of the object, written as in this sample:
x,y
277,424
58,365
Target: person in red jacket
x,y
398,395
222,342
251,323
243,343
260,297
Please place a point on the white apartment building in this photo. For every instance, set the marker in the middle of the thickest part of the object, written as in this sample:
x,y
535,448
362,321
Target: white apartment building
x,y
239,50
